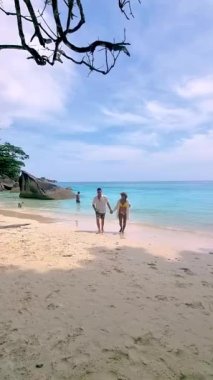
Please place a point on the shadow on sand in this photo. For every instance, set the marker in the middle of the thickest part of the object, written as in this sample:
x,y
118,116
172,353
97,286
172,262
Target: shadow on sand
x,y
121,314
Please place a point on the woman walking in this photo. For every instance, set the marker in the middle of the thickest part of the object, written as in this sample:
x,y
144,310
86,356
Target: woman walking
x,y
122,208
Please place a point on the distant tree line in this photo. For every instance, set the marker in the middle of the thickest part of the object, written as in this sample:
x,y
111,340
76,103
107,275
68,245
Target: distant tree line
x,y
11,160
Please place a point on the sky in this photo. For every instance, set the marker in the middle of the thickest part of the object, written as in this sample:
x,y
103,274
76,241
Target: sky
x,y
150,119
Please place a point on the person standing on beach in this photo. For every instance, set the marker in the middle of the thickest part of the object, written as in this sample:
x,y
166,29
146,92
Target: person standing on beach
x,y
122,208
99,204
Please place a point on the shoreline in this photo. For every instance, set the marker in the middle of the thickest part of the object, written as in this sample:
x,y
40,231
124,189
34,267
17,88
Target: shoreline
x,y
148,209
11,213
55,217
166,242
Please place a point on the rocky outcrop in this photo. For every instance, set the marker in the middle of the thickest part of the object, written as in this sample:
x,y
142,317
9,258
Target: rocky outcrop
x,y
48,180
32,187
15,188
6,183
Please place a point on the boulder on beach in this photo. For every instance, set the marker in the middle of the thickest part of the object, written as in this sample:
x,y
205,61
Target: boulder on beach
x,y
6,183
32,187
15,188
46,179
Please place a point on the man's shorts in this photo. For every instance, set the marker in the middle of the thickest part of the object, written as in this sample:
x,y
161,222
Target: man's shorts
x,y
100,215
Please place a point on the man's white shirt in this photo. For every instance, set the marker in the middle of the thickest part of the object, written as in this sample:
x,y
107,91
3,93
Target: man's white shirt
x,y
100,204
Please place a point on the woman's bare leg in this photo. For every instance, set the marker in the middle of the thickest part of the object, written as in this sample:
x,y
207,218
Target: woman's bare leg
x,y
120,222
124,223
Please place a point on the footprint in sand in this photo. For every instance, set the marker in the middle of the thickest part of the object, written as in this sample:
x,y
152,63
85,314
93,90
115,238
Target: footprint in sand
x,y
178,275
177,351
161,297
78,331
52,293
118,270
105,273
182,284
27,297
52,306
116,354
187,271
152,265
194,305
207,284
102,376
145,339
92,288
192,376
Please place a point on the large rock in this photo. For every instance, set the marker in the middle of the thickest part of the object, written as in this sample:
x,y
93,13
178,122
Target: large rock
x,y
15,188
32,187
48,180
6,183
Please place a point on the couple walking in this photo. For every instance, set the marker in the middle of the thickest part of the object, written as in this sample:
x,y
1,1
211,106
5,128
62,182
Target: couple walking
x,y
122,207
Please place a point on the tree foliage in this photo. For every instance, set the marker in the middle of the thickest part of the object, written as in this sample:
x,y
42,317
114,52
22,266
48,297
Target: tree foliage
x,y
11,160
52,30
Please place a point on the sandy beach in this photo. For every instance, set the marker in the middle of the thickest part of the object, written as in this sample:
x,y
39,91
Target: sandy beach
x,y
76,305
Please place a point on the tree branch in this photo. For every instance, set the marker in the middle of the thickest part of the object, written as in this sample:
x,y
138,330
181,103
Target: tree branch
x,y
35,23
61,45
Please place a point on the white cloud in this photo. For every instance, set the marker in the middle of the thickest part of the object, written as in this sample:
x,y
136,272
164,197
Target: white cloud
x,y
28,90
5,121
121,118
196,87
190,151
191,159
85,152
139,138
167,118
158,117
206,106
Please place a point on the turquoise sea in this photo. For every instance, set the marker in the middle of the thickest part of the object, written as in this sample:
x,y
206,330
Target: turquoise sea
x,y
182,205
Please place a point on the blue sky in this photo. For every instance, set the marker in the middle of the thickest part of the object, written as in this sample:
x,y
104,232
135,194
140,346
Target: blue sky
x,y
149,119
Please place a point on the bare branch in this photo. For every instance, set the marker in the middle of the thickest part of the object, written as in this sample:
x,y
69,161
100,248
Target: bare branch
x,y
19,22
54,39
81,21
126,3
11,47
27,18
35,23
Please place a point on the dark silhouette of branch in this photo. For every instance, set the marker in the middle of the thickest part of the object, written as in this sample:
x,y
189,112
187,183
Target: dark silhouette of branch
x,y
52,34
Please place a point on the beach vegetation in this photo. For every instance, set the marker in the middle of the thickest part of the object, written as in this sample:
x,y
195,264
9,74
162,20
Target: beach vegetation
x,y
11,160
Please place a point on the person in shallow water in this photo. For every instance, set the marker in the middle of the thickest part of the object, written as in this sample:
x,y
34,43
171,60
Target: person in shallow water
x,y
77,197
122,208
99,204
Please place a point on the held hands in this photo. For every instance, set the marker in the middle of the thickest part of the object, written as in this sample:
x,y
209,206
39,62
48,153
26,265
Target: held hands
x,y
111,212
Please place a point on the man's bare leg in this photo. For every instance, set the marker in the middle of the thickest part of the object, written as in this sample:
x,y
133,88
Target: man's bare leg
x,y
98,224
102,224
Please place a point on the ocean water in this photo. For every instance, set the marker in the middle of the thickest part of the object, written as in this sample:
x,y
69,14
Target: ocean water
x,y
182,205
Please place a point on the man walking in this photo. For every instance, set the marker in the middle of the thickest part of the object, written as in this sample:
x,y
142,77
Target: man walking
x,y
99,204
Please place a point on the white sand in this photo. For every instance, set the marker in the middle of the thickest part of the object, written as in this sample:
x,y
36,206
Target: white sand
x,y
76,305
